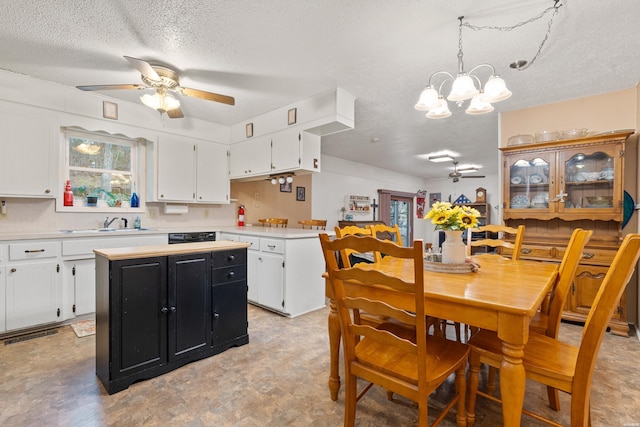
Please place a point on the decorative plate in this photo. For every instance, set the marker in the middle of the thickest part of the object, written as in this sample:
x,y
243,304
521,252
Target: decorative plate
x,y
535,179
520,201
517,179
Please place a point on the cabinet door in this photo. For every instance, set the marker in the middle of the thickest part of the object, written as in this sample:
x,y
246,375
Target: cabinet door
x,y
3,305
250,157
189,286
590,178
212,173
32,294
253,275
229,312
139,313
585,288
285,151
271,281
529,185
175,170
84,286
28,152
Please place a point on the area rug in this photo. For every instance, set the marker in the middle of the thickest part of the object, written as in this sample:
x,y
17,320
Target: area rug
x,y
84,328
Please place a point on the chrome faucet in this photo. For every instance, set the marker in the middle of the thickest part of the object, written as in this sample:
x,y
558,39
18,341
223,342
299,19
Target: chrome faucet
x,y
107,223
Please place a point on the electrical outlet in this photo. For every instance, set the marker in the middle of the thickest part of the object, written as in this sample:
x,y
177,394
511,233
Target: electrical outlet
x,y
152,212
255,195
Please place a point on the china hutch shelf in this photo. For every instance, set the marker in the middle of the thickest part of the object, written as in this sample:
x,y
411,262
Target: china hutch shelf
x,y
555,187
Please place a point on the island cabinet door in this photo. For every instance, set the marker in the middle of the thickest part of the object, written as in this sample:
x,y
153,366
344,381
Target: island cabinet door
x,y
189,306
138,315
229,299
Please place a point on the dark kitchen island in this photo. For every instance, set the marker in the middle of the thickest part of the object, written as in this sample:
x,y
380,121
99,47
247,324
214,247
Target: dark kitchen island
x,y
161,307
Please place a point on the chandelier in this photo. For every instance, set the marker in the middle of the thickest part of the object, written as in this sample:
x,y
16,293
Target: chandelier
x,y
463,87
161,101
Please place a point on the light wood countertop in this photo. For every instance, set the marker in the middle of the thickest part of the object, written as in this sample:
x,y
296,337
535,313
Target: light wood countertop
x,y
164,250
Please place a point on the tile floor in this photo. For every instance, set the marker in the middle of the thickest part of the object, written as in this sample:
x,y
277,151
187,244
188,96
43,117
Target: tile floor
x,y
278,379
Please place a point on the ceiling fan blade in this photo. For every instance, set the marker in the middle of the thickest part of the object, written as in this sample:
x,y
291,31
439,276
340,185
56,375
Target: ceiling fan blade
x,y
144,67
209,96
473,176
176,113
112,87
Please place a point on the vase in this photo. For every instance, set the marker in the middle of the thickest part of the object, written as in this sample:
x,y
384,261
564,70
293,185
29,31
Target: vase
x,y
454,250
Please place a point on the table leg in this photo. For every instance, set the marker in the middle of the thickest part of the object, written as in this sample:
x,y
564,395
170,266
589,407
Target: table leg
x,y
512,383
334,348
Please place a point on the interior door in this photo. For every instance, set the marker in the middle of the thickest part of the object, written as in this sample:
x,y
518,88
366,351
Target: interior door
x,y
400,210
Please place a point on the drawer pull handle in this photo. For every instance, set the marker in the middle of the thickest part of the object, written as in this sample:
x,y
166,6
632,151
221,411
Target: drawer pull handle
x,y
172,309
271,246
525,251
33,251
587,255
231,274
232,257
216,315
164,310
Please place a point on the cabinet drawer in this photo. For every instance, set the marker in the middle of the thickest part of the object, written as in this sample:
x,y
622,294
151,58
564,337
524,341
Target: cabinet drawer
x,y
33,250
254,242
593,256
272,245
229,258
229,274
534,252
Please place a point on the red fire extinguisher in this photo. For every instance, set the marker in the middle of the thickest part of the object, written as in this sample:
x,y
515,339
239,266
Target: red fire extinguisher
x,y
241,216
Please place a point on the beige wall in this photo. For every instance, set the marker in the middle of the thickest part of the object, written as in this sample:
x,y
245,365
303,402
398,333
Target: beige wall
x,y
271,202
599,113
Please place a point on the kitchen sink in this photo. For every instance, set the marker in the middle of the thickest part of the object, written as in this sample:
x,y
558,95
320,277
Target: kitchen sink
x,y
107,230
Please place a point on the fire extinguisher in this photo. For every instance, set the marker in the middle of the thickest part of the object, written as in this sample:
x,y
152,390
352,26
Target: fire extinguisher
x,y
241,216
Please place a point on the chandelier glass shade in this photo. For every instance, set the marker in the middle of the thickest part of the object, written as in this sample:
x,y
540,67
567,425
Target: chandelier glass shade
x,y
161,101
464,86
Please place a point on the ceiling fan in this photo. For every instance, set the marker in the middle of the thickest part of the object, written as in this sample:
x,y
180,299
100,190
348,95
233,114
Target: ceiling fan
x,y
459,173
163,80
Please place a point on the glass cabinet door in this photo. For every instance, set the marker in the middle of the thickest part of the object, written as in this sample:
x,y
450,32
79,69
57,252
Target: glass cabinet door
x,y
588,179
529,181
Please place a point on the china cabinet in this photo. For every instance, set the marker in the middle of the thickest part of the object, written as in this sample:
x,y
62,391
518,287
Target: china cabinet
x,y
555,187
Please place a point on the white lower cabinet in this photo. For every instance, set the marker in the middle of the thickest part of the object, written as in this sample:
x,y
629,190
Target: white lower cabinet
x,y
3,305
80,282
284,274
33,296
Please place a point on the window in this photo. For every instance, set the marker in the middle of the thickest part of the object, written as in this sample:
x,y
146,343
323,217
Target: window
x,y
102,169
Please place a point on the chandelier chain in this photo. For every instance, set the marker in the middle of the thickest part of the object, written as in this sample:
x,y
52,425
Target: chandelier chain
x,y
556,6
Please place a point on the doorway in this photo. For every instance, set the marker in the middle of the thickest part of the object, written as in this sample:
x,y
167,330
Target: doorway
x,y
396,208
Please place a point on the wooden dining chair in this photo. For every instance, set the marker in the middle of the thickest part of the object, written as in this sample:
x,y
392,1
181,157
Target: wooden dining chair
x,y
348,255
499,243
277,222
556,363
319,224
385,232
402,360
547,321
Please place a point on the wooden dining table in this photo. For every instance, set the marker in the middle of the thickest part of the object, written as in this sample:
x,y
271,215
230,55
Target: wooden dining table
x,y
502,295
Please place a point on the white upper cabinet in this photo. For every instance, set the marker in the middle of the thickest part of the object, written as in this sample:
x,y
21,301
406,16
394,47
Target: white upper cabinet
x,y
250,158
28,152
181,169
212,173
285,151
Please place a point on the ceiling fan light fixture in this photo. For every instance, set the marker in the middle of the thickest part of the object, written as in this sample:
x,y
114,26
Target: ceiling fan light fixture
x,y
160,101
440,112
462,89
495,90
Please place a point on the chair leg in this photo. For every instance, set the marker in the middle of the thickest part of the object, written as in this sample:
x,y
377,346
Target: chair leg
x,y
474,368
461,390
491,381
350,401
554,398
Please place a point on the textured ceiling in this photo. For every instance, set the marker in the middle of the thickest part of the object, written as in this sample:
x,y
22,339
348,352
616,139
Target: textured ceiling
x,y
268,54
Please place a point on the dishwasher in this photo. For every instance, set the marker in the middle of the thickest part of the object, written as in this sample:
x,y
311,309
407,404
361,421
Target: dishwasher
x,y
192,237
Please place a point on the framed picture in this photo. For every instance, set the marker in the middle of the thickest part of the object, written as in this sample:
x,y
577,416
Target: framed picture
x,y
109,110
249,130
433,198
291,119
300,194
286,187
